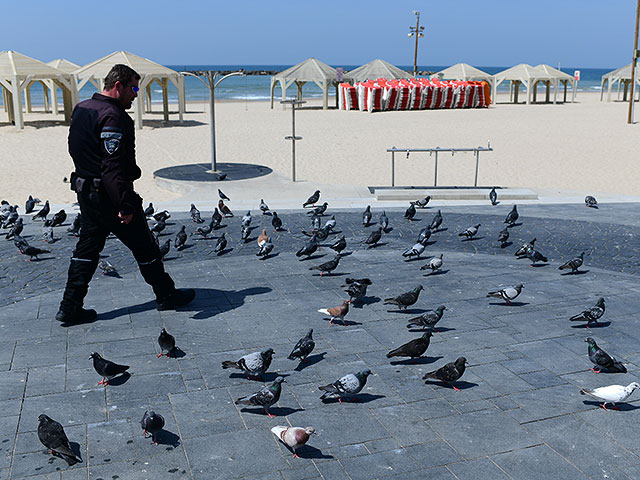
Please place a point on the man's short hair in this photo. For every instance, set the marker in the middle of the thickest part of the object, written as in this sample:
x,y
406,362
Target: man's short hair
x,y
119,73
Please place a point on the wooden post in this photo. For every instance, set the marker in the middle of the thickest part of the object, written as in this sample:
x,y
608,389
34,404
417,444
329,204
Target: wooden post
x,y
165,98
633,65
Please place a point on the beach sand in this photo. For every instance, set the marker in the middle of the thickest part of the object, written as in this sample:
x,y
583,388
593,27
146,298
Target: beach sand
x,y
583,146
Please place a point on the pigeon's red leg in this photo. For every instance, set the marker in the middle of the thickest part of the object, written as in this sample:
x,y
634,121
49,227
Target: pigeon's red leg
x,y
160,354
604,405
340,400
587,325
295,455
101,382
455,388
270,416
594,370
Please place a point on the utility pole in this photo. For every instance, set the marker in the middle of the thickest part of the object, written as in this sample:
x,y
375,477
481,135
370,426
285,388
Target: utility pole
x,y
633,65
417,32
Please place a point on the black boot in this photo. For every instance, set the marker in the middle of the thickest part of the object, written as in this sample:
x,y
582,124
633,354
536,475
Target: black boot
x,y
77,316
179,298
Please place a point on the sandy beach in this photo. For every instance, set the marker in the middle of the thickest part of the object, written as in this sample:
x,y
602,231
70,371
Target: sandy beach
x,y
583,146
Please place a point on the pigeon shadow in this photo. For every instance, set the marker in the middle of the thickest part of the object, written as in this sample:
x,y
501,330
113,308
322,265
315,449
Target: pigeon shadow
x,y
413,259
277,411
270,255
345,254
437,272
408,310
268,214
623,407
177,352
164,437
593,325
113,274
223,252
594,206
344,323
419,361
537,265
312,257
307,451
120,379
330,274
460,384
506,244
415,220
512,304
75,446
388,230
578,272
376,245
311,360
40,259
439,230
185,247
429,329
360,398
361,302
472,239
265,377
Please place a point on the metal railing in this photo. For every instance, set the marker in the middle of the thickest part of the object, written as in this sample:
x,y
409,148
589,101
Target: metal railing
x,y
476,152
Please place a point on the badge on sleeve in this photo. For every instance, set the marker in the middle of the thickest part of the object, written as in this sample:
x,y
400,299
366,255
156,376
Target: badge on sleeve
x,y
111,141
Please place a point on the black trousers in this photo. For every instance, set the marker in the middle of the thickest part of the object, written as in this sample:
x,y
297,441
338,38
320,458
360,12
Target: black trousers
x,y
98,219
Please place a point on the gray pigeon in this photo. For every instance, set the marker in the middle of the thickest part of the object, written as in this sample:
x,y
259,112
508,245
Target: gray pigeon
x,y
374,237
522,251
204,231
319,210
414,348
535,256
106,368
312,199
265,398
152,423
47,233
507,294
309,249
221,244
347,386
422,203
327,267
276,222
303,348
405,299
223,196
450,373
74,229
415,251
195,214
216,218
590,201
246,219
167,343
503,237
254,364
574,264
264,208
384,221
59,218
366,216
592,314
107,268
51,435
265,249
428,319
245,232
43,212
331,223
470,232
493,196
181,238
339,245
410,212
602,359
164,248
356,288
436,222
149,210
29,205
512,216
434,264
16,229
424,235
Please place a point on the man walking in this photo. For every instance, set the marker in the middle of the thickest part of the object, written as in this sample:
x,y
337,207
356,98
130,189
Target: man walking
x,y
102,145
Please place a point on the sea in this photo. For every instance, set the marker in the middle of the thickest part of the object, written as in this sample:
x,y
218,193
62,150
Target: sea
x,y
256,87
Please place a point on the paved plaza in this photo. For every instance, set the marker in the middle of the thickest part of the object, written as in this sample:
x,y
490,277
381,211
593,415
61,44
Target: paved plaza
x,y
518,414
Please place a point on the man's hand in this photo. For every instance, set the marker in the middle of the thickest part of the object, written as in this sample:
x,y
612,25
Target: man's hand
x,y
125,218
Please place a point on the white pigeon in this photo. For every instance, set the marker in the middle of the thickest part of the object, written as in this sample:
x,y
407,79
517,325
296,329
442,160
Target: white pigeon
x,y
611,394
293,437
507,294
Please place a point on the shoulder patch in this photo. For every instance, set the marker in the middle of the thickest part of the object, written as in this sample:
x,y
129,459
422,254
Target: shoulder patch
x,y
111,141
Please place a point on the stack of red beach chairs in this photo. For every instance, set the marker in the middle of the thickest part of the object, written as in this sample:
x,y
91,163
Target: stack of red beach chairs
x,y
413,94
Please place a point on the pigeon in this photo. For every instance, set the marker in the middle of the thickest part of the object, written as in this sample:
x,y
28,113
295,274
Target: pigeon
x,y
434,264
436,222
327,267
164,248
512,216
59,218
204,231
181,238
74,229
312,199
522,251
265,249
315,223
246,219
384,221
151,423
413,349
415,251
29,205
507,294
319,210
331,223
20,243
51,435
470,232
309,248
366,216
167,343
589,201
592,314
574,264
535,256
12,218
223,196
195,214
374,237
422,203
503,236
43,212
16,229
107,268
293,437
450,373
245,232
149,210
340,245
493,196
31,251
264,208
320,234
276,222
161,216
224,210
428,319
405,299
254,364
424,235
602,359
336,313
410,212
216,218
265,398
221,244
356,288
263,237
159,226
47,232
303,348
611,394
106,368
347,386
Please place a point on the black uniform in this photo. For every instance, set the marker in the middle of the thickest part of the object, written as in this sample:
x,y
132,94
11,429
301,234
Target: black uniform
x,y
102,145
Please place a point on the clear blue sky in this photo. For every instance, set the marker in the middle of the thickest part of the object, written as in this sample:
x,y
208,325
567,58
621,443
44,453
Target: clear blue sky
x,y
576,33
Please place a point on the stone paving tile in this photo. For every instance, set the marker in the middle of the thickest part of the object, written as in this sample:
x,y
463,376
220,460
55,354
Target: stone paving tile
x,y
477,468
539,459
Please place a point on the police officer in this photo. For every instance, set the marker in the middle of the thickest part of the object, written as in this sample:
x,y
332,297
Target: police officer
x,y
102,145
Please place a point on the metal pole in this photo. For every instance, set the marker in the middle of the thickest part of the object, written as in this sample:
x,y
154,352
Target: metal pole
x,y
393,168
293,142
211,76
435,176
633,65
477,152
415,54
